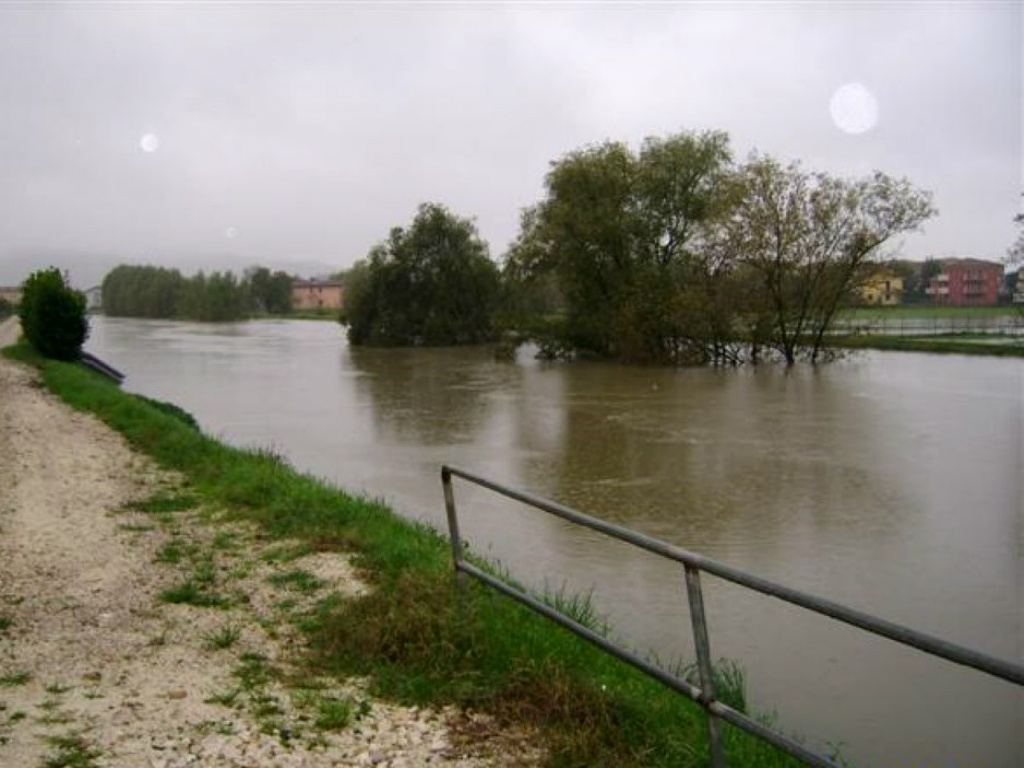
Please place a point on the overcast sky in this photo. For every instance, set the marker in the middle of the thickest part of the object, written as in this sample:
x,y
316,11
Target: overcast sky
x,y
296,135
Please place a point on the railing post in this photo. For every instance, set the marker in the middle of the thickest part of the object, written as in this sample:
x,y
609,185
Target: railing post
x,y
703,647
453,523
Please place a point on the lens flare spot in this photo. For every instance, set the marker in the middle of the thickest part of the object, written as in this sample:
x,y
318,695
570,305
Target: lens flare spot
x,y
854,108
230,233
149,142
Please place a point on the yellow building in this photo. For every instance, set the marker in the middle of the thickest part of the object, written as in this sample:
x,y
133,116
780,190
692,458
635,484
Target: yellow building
x,y
882,289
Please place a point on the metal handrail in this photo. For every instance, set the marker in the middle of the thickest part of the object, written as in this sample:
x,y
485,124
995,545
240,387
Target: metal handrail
x,y
693,564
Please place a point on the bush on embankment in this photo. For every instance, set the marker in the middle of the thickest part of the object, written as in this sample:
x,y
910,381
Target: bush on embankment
x,y
53,316
419,638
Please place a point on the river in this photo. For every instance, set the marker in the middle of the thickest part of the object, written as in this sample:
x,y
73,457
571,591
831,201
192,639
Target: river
x,y
890,482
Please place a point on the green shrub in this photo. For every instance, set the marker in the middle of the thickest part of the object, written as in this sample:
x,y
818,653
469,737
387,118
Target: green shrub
x,y
6,308
53,315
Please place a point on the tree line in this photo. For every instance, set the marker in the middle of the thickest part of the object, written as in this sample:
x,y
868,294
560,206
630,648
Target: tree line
x,y
675,253
157,292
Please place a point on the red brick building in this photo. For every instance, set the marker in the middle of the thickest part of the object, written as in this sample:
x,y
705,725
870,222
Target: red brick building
x,y
966,283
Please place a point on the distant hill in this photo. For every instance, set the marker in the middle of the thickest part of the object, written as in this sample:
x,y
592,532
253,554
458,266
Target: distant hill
x,y
87,268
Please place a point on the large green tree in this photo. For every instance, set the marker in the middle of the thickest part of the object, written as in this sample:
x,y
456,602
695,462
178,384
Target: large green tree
x,y
431,283
271,291
623,232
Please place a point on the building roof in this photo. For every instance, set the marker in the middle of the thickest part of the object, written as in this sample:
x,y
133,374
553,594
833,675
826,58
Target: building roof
x,y
317,284
969,261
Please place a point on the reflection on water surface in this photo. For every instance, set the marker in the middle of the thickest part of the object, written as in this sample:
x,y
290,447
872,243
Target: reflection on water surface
x,y
890,482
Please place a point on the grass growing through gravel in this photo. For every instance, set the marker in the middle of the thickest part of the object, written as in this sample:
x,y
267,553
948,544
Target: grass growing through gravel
x,y
298,580
6,622
14,679
419,638
223,638
170,553
72,751
190,592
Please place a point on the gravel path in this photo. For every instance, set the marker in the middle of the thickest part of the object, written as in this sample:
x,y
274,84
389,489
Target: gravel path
x,y
96,666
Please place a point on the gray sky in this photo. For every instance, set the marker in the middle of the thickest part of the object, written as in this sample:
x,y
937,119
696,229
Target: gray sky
x,y
296,135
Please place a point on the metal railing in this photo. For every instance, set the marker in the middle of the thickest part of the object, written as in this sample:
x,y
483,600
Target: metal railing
x,y
693,564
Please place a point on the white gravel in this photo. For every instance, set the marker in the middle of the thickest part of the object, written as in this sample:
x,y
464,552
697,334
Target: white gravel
x,y
90,653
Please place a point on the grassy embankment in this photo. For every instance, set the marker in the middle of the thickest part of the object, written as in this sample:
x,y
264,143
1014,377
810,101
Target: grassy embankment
x,y
968,341
955,344
307,314
911,312
419,638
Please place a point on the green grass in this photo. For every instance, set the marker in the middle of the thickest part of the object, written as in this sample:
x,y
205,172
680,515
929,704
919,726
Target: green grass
x,y
6,622
334,714
14,679
954,344
223,638
417,636
227,698
170,553
910,312
286,553
226,541
297,580
72,751
310,314
163,503
136,527
190,592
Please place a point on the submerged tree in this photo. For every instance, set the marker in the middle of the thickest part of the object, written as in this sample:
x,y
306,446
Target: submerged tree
x,y
808,238
432,283
674,254
620,231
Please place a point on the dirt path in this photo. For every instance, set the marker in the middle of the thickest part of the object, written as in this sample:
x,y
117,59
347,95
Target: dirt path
x,y
9,331
106,661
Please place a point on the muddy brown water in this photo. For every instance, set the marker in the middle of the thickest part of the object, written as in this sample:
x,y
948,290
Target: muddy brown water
x,y
890,482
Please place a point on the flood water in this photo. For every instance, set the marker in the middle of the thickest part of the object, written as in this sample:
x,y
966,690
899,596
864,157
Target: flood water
x,y
890,482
